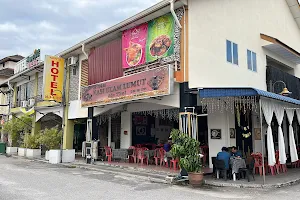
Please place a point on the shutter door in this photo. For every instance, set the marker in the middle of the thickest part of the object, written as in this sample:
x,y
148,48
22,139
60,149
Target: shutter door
x,y
84,73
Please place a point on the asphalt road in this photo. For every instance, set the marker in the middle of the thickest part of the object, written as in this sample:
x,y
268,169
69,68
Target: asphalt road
x,y
28,180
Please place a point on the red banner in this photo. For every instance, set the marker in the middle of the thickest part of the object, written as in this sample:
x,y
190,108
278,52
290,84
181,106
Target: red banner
x,y
151,83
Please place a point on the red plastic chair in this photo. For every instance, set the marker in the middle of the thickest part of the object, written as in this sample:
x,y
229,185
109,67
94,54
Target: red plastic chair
x,y
175,163
141,156
108,153
279,167
204,150
133,155
162,154
258,167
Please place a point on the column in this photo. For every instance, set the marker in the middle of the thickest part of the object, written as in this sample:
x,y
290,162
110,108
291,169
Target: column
x,y
36,126
186,99
68,133
109,132
126,130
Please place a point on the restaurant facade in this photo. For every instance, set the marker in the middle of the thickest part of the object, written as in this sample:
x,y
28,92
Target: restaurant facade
x,y
176,65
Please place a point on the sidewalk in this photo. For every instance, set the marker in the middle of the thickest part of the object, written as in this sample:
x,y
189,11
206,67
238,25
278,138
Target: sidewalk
x,y
292,177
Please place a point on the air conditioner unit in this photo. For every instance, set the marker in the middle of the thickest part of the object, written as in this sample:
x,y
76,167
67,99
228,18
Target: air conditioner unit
x,y
72,61
31,102
24,104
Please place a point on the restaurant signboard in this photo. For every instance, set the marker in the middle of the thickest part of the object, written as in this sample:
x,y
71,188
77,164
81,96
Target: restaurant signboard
x,y
152,83
30,61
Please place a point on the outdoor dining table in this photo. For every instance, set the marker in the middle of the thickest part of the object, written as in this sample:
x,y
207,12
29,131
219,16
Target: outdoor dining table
x,y
236,164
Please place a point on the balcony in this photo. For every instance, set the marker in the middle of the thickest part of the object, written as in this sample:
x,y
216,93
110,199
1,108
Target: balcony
x,y
292,82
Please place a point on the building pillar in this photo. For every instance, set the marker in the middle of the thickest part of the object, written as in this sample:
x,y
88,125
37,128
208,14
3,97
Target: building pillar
x,y
36,126
109,132
126,130
68,133
186,98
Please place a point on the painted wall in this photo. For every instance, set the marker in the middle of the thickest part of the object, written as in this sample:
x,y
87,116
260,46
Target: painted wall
x,y
211,22
126,125
222,121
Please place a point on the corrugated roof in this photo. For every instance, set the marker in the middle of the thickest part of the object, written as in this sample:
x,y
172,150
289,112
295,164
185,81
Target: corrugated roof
x,y
237,92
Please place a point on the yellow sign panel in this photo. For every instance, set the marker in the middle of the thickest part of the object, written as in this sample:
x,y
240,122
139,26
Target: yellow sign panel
x,y
54,73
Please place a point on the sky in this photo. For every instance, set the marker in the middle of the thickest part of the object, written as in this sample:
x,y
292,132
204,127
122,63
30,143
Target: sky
x,y
55,25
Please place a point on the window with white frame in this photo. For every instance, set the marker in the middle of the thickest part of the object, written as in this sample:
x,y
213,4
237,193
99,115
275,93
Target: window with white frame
x,y
232,52
251,61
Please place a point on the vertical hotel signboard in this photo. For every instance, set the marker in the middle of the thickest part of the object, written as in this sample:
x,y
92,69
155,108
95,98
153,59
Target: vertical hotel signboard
x,y
54,73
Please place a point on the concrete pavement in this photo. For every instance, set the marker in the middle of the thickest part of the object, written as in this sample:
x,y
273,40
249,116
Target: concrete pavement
x,y
23,179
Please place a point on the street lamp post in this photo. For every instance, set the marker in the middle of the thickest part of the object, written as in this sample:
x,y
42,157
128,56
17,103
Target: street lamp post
x,y
63,121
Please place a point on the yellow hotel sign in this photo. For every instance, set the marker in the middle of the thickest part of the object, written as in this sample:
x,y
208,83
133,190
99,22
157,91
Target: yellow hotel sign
x,y
54,73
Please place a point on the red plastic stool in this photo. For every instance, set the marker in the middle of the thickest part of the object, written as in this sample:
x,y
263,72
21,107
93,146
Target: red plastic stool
x,y
174,162
272,169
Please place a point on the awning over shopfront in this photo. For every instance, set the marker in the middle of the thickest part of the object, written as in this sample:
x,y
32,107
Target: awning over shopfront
x,y
213,98
238,92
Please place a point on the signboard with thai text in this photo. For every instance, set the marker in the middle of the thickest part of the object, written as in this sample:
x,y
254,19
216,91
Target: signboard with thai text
x,y
28,62
54,73
152,83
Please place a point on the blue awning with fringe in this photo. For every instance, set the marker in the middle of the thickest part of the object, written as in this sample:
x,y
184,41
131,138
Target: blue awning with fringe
x,y
237,92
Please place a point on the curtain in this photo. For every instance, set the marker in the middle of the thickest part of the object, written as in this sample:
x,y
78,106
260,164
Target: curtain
x,y
293,149
267,107
279,113
298,115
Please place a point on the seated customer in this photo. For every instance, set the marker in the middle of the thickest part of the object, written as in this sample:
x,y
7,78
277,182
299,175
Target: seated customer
x,y
225,156
167,146
235,152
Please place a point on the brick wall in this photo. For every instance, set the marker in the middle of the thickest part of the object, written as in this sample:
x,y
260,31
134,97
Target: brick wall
x,y
40,87
74,83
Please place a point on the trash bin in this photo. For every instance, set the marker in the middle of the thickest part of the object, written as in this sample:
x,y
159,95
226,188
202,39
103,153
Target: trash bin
x,y
2,147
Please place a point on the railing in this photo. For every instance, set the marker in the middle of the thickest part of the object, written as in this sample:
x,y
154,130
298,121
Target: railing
x,y
292,82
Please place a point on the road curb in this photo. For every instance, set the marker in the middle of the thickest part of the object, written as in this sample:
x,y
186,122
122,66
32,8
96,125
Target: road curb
x,y
266,186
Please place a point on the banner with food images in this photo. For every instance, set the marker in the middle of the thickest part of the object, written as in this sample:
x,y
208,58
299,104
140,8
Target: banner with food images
x,y
133,46
160,40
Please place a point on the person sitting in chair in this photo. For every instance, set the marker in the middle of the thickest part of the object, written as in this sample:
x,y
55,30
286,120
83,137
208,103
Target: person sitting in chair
x,y
225,156
235,152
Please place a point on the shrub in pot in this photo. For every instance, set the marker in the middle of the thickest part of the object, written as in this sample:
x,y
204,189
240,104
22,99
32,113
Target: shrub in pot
x,y
187,149
32,143
51,139
14,128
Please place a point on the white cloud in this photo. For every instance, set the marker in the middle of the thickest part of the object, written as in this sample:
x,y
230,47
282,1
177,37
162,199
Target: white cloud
x,y
8,27
55,25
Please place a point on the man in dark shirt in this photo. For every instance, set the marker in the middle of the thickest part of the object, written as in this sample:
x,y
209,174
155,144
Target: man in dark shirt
x,y
235,152
225,156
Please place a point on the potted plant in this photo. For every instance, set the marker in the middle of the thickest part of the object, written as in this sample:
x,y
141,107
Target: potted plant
x,y
187,150
14,128
32,143
51,139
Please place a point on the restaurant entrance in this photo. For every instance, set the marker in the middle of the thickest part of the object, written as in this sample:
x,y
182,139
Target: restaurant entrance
x,y
151,129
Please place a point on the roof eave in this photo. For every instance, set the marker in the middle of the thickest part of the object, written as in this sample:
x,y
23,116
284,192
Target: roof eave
x,y
120,25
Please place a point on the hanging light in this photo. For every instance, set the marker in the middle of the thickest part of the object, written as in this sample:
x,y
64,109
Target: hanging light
x,y
285,92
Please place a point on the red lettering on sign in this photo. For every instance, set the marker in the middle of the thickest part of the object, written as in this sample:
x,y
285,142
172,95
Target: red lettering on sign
x,y
54,78
54,70
53,85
